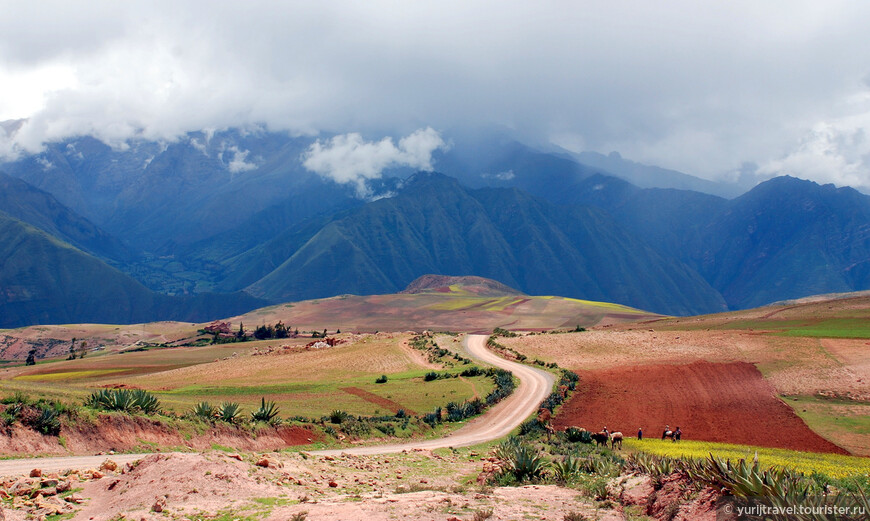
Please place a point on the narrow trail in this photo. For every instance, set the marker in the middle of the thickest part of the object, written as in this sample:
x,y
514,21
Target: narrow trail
x,y
535,384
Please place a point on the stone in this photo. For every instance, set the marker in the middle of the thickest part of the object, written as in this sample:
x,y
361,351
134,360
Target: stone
x,y
35,473
159,505
109,465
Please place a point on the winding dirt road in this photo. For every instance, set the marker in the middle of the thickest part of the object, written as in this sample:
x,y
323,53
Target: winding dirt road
x,y
535,384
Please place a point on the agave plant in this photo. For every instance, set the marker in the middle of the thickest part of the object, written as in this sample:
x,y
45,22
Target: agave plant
x,y
145,401
48,422
204,410
124,400
268,412
337,416
229,412
526,464
566,469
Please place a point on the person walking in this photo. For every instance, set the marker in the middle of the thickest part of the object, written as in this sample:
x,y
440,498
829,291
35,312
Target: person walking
x,y
639,433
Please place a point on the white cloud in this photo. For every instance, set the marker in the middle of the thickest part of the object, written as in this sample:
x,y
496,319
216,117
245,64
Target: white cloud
x,y
833,151
239,161
695,86
507,175
349,158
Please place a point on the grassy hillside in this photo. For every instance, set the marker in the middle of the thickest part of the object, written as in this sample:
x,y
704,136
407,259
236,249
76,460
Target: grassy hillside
x,y
40,209
436,226
47,281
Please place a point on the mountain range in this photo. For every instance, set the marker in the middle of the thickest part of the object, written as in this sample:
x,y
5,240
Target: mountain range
x,y
218,223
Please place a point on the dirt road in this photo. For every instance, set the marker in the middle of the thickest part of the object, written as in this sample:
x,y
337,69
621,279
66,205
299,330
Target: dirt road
x,y
19,467
535,385
499,421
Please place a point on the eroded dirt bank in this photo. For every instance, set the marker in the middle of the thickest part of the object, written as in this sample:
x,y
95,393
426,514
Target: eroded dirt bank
x,y
121,433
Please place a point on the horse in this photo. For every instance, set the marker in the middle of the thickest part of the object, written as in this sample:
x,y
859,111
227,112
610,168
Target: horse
x,y
669,434
616,439
600,438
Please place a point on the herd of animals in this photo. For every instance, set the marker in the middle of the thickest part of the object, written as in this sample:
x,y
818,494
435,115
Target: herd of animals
x,y
615,438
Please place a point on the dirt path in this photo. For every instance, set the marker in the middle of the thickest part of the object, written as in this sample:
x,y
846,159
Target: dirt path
x,y
390,405
499,421
18,467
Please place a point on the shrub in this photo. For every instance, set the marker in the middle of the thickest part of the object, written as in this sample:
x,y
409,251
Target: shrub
x,y
124,400
381,379
204,410
229,412
338,416
48,422
575,435
268,411
431,375
525,463
566,469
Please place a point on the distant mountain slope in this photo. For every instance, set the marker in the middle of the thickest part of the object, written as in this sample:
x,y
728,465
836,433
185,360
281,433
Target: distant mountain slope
x,y
164,196
784,239
27,203
646,176
46,281
788,238
436,226
671,221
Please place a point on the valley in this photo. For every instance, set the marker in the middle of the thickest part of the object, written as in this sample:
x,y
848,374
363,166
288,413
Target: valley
x,y
796,369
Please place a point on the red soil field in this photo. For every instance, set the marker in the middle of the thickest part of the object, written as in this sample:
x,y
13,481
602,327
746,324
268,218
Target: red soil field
x,y
722,402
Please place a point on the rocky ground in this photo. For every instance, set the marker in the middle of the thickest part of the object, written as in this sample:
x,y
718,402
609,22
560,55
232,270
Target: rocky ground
x,y
445,485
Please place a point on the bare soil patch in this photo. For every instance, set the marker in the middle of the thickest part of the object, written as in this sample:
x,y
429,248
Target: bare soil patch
x,y
377,400
722,402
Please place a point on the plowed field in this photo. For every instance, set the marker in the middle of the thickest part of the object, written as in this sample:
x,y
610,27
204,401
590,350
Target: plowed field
x,y
725,402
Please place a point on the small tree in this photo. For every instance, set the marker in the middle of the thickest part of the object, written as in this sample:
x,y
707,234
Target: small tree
x,y
31,357
280,330
241,333
72,350
83,349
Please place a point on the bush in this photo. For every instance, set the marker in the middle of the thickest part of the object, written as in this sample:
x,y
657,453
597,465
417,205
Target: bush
x,y
268,412
124,400
48,422
338,416
525,463
431,375
204,410
229,412
575,435
381,379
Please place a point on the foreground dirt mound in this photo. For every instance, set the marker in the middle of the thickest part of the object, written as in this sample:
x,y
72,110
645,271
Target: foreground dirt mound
x,y
727,402
419,485
179,483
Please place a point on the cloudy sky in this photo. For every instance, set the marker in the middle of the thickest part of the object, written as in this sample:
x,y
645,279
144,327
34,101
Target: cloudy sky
x,y
702,87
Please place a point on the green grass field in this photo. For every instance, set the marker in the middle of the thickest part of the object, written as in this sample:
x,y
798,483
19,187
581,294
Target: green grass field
x,y
309,383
